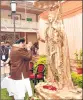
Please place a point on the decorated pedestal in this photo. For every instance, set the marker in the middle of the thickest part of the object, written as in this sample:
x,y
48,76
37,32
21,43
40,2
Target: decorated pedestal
x,y
49,91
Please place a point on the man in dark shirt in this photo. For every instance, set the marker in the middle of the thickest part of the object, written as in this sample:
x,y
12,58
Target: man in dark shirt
x,y
4,51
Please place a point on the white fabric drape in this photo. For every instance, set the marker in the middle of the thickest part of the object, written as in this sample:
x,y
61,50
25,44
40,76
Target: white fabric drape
x,y
73,29
42,27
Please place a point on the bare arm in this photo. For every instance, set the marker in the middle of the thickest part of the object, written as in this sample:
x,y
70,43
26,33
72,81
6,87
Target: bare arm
x,y
40,39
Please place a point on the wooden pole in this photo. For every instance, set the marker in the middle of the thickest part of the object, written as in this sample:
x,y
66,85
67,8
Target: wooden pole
x,y
25,21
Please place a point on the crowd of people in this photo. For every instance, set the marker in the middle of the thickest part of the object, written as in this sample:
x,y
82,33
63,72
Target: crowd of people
x,y
15,67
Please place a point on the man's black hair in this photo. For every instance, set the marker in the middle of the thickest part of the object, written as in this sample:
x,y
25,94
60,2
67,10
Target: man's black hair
x,y
20,40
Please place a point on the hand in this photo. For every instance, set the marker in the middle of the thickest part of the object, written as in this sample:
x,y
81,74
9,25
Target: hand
x,y
28,49
5,63
53,52
42,40
48,59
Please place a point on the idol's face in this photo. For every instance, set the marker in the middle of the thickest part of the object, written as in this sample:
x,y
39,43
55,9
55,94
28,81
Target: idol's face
x,y
50,18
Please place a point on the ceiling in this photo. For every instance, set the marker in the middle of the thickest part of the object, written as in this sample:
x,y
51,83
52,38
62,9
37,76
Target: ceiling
x,y
30,8
36,7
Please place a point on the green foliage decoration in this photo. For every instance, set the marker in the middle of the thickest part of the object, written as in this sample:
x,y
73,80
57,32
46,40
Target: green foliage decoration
x,y
41,60
78,57
77,79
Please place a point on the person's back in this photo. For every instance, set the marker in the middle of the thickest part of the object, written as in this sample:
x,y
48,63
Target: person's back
x,y
19,58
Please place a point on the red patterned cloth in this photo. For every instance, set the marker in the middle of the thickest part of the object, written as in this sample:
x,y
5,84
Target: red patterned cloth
x,y
50,87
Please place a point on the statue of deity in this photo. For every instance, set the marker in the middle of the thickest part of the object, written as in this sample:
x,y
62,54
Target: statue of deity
x,y
57,50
